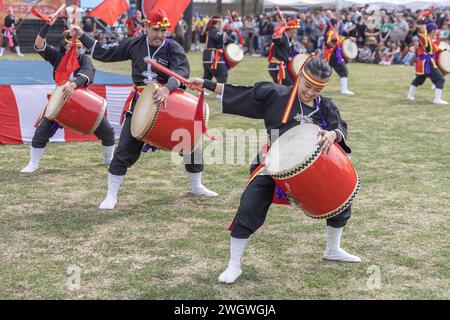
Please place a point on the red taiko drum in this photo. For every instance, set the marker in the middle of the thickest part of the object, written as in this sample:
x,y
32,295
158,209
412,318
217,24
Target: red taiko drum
x,y
322,185
233,54
82,113
165,127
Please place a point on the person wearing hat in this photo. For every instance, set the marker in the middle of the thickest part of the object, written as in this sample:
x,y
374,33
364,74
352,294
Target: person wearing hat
x,y
332,53
282,108
281,51
213,60
9,33
426,66
156,45
79,79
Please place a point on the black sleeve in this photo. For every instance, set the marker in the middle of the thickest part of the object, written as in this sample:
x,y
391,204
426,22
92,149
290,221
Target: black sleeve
x,y
246,101
216,35
178,60
335,122
50,54
108,52
86,72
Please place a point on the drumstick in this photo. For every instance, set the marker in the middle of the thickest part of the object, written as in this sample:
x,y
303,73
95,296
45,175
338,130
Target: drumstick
x,y
280,14
59,10
170,73
230,17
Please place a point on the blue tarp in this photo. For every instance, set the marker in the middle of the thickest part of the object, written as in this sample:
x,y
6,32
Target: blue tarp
x,y
40,72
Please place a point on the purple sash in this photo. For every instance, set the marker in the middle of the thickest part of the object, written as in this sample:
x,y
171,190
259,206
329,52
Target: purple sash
x,y
427,57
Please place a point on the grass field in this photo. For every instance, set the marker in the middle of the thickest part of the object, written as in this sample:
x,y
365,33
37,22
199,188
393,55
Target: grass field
x,y
161,243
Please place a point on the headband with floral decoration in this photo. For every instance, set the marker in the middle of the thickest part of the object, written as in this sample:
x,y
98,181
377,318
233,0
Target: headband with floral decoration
x,y
157,19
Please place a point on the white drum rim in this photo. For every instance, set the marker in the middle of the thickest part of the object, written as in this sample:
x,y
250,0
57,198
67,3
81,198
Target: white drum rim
x,y
345,45
143,130
297,57
233,55
55,103
308,160
441,65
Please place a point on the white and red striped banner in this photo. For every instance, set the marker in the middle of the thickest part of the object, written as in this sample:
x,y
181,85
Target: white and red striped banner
x,y
21,105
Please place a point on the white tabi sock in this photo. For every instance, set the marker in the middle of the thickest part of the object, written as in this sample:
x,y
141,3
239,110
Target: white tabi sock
x,y
35,156
197,187
114,183
438,97
333,250
411,92
233,271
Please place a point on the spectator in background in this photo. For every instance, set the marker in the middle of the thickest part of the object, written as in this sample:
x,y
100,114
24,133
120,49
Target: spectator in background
x,y
400,29
410,56
360,31
348,27
444,33
389,54
365,55
180,31
306,46
88,24
385,29
134,24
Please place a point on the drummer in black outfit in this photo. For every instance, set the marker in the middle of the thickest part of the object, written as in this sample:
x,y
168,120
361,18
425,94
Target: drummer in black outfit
x,y
156,45
303,104
81,78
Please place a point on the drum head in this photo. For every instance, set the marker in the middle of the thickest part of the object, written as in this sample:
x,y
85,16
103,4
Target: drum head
x,y
55,103
234,52
444,61
298,62
144,113
350,49
444,45
292,149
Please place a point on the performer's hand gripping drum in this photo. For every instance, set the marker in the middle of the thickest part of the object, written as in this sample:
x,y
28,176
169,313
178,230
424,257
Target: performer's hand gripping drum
x,y
321,184
160,126
82,113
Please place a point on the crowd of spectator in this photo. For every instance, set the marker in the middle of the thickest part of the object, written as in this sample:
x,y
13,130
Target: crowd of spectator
x,y
383,37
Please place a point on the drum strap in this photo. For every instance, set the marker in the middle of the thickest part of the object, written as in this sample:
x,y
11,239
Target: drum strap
x,y
216,58
134,95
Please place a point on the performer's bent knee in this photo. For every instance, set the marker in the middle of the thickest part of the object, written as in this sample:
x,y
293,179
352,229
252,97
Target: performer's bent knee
x,y
240,231
439,83
340,220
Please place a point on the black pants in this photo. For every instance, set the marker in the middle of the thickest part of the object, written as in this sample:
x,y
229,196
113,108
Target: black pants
x,y
340,68
221,73
288,81
256,201
435,76
129,150
6,40
43,133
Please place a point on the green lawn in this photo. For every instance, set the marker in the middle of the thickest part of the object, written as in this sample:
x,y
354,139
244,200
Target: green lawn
x,y
161,243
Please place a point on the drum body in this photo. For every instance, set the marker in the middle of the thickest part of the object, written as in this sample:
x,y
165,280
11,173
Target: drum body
x,y
443,62
321,184
169,128
296,63
82,113
233,54
349,49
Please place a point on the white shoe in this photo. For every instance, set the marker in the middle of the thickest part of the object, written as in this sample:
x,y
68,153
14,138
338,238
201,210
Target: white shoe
x,y
230,275
340,255
31,167
201,190
347,92
108,204
440,101
410,98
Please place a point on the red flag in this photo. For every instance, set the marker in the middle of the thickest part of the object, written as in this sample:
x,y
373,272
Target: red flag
x,y
173,8
110,10
68,65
